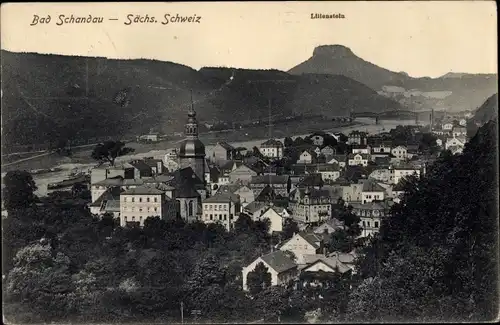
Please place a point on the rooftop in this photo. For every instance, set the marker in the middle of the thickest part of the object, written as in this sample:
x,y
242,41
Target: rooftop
x,y
271,143
143,190
223,197
279,261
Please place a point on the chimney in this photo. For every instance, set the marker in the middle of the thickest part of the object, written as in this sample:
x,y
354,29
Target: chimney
x,y
324,251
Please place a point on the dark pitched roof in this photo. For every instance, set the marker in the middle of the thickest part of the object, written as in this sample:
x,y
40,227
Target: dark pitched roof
x,y
371,186
279,261
311,238
269,179
225,145
152,162
255,206
312,180
266,193
214,173
143,190
272,142
352,155
223,197
111,194
142,166
187,174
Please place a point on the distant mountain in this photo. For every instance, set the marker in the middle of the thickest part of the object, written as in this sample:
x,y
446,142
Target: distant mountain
x,y
453,91
48,97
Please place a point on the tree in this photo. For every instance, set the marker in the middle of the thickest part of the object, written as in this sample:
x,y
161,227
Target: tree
x,y
289,229
258,279
428,143
288,142
430,250
109,151
19,191
243,224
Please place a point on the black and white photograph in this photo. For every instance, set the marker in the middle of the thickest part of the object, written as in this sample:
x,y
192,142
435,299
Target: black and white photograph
x,y
257,162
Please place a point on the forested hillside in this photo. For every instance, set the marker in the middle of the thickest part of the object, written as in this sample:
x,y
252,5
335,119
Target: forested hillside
x,y
436,259
52,97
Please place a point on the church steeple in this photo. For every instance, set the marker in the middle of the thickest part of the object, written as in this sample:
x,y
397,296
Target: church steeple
x,y
191,128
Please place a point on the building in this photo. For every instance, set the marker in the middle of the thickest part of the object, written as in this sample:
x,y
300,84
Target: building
x,y
302,244
364,149
171,160
151,137
272,149
329,226
310,205
223,208
400,172
192,150
156,165
372,191
357,137
246,194
107,202
242,173
462,122
318,139
371,215
381,147
459,131
400,152
282,268
221,153
139,203
447,126
255,209
329,172
341,160
328,151
279,183
357,159
275,215
307,157
452,142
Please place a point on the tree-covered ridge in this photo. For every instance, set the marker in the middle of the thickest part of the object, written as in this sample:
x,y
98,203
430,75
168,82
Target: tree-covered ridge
x,y
436,257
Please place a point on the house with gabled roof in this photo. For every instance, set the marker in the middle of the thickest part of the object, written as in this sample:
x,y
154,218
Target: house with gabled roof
x,y
372,191
255,209
221,152
371,215
223,208
328,151
329,226
282,268
245,193
357,159
303,243
242,173
276,216
341,160
277,182
307,156
107,202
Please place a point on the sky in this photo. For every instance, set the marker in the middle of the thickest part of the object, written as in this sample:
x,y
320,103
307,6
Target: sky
x,y
425,38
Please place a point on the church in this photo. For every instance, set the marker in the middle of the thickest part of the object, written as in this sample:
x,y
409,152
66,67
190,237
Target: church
x,y
192,150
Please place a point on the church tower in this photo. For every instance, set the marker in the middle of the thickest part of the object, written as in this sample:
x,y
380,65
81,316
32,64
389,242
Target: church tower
x,y
192,150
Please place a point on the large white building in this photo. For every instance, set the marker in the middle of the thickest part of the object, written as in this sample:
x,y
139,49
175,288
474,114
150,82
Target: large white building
x,y
223,208
272,148
139,203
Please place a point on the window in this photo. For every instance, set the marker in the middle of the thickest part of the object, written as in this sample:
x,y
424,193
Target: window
x,y
215,207
133,199
156,199
147,200
364,224
133,218
220,216
190,208
125,199
376,224
140,199
211,217
156,209
140,209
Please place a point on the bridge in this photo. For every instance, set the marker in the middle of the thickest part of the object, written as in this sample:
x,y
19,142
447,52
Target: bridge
x,y
380,115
